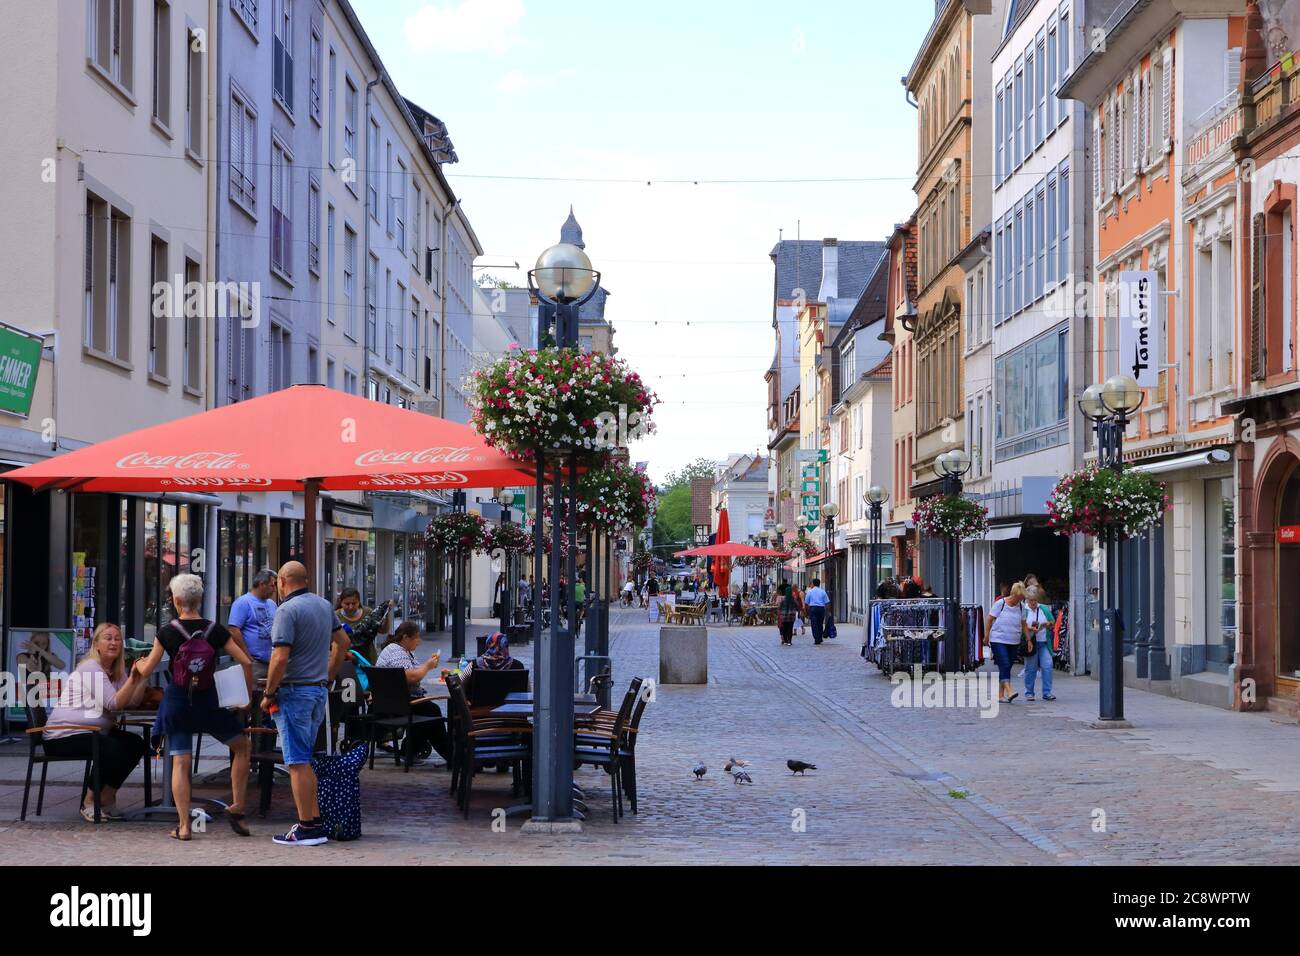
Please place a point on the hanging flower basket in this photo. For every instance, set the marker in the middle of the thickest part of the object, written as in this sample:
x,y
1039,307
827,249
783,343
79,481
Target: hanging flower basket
x,y
762,563
612,497
556,401
1100,501
802,547
951,516
457,531
507,537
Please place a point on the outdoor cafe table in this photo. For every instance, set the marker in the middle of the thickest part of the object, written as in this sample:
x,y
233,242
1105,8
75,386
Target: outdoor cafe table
x,y
166,807
526,697
525,709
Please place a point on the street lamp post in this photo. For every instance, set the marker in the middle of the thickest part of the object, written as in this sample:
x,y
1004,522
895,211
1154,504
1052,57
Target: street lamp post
x,y
506,499
829,512
1109,406
458,504
562,279
875,497
951,466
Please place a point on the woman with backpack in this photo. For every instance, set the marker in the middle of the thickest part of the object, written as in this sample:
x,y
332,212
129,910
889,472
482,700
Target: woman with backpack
x,y
190,704
1005,626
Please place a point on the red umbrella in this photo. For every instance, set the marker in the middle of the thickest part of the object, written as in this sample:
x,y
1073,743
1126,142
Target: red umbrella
x,y
722,563
306,438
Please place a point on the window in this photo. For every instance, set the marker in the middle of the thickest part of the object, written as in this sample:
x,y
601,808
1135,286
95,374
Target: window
x,y
1052,243
372,269
162,61
350,382
112,41
313,227
396,322
107,279
392,317
1040,86
350,120
1064,63
331,132
247,11
1033,393
329,372
998,256
399,206
1031,260
281,208
193,346
194,93
330,263
280,358
313,83
997,126
1063,222
1018,111
243,150
372,172
390,173
158,316
350,281
1018,299
1040,215
1031,99
411,369
1007,133
313,365
282,52
1053,76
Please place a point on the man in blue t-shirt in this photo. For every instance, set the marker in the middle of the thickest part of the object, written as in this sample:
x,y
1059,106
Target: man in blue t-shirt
x,y
250,621
819,603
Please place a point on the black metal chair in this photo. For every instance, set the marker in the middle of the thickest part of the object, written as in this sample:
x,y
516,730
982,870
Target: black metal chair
x,y
36,727
478,741
390,713
486,689
604,748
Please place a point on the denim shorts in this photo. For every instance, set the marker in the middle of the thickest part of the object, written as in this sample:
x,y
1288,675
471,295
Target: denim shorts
x,y
301,713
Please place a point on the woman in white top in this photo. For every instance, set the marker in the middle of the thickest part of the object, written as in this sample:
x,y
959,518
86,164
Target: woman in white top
x,y
1038,656
91,697
400,652
1005,626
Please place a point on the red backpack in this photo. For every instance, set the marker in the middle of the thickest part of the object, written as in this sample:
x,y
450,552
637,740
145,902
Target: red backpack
x,y
195,662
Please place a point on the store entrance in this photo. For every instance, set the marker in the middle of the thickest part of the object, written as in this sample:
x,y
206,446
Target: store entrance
x,y
1287,565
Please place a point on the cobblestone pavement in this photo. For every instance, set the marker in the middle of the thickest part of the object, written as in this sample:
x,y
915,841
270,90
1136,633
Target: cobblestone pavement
x,y
1190,784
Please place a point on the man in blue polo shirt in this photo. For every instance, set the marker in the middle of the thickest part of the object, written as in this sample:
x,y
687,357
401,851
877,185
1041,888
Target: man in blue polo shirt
x,y
250,621
818,602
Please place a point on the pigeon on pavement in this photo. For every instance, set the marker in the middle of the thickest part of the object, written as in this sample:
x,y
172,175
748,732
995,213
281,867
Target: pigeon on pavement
x,y
740,776
798,766
700,771
733,762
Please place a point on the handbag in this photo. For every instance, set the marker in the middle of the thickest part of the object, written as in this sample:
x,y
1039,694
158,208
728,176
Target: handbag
x,y
831,632
232,690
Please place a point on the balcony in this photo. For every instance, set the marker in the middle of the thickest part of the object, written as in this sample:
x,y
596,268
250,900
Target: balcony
x,y
1276,90
1212,132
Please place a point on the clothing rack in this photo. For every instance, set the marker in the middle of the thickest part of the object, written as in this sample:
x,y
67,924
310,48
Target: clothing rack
x,y
905,632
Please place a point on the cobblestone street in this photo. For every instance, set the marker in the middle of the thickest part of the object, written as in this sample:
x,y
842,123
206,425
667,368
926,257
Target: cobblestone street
x,y
887,791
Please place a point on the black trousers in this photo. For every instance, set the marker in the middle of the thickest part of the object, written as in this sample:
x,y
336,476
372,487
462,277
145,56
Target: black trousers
x,y
433,734
120,752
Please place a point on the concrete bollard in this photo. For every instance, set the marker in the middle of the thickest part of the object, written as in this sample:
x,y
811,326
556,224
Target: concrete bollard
x,y
683,655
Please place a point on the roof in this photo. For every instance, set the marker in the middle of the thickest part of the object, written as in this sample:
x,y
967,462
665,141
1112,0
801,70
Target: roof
x,y
799,266
435,132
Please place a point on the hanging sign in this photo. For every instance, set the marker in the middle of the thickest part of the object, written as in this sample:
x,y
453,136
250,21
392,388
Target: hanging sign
x,y
1139,326
1288,534
20,357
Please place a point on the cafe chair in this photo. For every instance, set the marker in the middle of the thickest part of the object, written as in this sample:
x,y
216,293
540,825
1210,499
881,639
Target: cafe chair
x,y
390,713
479,741
600,747
486,689
36,727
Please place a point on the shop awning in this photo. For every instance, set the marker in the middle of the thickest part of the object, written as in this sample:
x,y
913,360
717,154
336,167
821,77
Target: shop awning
x,y
822,558
1004,533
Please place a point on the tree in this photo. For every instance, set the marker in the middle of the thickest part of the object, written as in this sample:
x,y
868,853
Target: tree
x,y
672,526
699,468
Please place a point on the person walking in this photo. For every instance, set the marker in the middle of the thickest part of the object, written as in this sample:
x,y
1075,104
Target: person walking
x,y
818,603
786,611
801,605
190,704
307,645
1038,652
1005,626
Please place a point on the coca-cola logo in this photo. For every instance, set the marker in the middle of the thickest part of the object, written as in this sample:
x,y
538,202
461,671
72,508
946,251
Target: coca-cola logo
x,y
206,482
433,480
194,461
425,456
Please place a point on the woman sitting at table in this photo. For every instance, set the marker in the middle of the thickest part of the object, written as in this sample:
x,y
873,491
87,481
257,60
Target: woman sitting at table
x,y
400,652
93,694
496,654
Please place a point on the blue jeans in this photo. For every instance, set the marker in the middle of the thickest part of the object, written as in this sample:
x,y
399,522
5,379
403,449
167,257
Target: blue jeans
x,y
302,711
1041,659
1003,654
817,618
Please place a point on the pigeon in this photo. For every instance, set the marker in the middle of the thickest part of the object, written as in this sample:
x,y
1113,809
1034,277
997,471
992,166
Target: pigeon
x,y
798,766
700,771
733,762
740,776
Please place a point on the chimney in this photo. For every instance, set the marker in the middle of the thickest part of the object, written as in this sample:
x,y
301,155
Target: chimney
x,y
830,288
1254,56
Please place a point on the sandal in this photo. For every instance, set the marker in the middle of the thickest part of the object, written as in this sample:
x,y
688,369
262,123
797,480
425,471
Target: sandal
x,y
237,823
176,835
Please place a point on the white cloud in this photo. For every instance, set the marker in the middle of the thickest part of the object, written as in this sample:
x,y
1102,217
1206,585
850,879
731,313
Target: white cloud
x,y
471,26
516,81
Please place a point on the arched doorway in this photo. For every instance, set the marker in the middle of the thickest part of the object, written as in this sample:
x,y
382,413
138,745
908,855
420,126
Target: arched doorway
x,y
1286,577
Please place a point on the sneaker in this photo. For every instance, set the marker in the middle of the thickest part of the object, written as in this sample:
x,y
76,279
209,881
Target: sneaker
x,y
300,835
1049,697
1031,697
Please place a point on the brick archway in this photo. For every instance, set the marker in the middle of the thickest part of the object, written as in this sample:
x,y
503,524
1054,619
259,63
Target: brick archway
x,y
1257,604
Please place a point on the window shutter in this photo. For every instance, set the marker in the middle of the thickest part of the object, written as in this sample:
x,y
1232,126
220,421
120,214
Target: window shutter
x,y
1117,135
1231,70
1098,157
1148,109
1257,363
237,134
1167,99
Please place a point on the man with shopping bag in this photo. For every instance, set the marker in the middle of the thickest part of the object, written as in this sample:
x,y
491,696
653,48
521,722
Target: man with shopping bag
x,y
307,646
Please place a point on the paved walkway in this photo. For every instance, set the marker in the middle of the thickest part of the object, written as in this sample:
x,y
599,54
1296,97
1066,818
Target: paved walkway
x,y
894,785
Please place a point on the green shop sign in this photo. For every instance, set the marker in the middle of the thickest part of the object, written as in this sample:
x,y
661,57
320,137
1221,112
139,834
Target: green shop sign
x,y
20,357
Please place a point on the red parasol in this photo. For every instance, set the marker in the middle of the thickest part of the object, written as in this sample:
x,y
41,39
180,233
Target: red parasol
x,y
722,563
730,549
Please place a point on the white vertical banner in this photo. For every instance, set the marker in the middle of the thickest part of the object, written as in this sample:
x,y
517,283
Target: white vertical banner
x,y
1139,326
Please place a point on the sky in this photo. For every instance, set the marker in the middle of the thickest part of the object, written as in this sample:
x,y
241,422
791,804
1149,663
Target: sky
x,y
552,103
